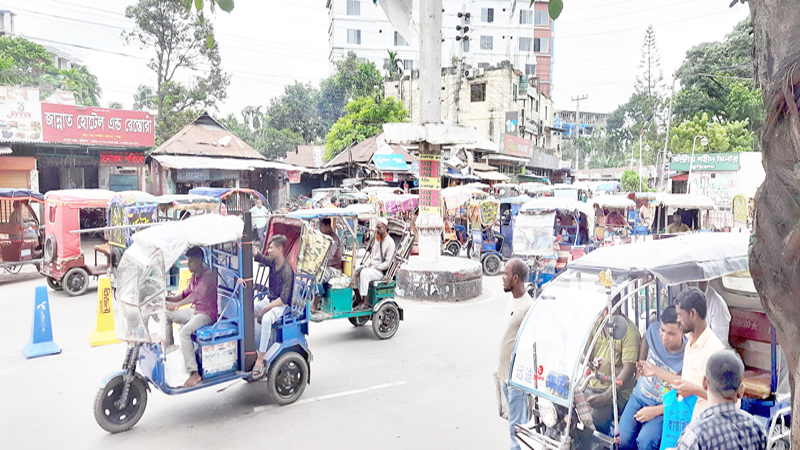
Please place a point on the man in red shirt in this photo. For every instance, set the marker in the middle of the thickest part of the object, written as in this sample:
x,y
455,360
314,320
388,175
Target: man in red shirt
x,y
202,293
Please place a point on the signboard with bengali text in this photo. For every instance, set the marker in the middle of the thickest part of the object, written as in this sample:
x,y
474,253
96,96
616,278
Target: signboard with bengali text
x,y
516,146
429,183
68,124
705,161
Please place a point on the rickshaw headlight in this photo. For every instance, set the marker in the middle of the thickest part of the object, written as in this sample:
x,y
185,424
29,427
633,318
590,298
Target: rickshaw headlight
x,y
548,412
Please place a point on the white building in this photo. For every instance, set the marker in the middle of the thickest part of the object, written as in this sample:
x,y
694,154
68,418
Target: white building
x,y
495,34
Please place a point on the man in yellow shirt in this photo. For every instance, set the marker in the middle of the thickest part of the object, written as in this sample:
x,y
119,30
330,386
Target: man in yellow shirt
x,y
677,225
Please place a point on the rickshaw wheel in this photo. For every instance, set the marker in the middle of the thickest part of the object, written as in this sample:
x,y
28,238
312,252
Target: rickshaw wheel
x,y
386,321
75,281
453,248
115,420
287,378
358,321
491,264
54,285
469,249
13,270
780,444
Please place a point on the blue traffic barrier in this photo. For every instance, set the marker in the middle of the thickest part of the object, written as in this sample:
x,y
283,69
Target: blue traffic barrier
x,y
41,343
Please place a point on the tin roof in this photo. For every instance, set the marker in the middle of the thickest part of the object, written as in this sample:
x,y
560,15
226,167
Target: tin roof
x,y
363,151
206,137
306,156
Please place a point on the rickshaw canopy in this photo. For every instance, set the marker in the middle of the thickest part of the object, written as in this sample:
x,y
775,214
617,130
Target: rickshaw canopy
x,y
222,193
80,198
560,204
319,213
613,202
129,208
62,215
18,195
693,257
133,198
457,196
608,186
684,201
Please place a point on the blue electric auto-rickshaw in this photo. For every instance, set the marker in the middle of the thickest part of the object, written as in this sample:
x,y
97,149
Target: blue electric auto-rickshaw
x,y
551,360
225,350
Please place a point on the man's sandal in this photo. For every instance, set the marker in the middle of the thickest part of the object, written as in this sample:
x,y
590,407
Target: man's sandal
x,y
258,372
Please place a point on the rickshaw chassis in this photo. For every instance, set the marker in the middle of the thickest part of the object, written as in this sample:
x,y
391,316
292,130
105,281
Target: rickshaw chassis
x,y
338,304
57,271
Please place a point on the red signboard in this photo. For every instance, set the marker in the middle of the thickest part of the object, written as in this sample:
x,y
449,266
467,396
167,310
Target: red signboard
x,y
68,124
516,146
294,176
752,325
121,159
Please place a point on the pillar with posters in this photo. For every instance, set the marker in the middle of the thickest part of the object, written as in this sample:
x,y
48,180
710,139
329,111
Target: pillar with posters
x,y
429,222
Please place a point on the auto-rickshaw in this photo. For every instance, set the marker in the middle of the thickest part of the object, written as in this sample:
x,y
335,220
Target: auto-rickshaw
x,y
237,201
611,216
126,209
536,190
506,190
337,302
694,210
489,243
64,263
576,191
182,206
20,229
551,356
225,350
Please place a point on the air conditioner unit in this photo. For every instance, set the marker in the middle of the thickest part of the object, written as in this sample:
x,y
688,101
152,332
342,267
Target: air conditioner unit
x,y
480,71
469,73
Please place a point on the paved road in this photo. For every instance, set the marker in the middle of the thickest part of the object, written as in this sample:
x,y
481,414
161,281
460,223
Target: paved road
x,y
428,387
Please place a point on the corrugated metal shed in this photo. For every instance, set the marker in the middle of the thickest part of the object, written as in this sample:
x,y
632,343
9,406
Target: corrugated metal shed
x,y
362,152
306,156
206,137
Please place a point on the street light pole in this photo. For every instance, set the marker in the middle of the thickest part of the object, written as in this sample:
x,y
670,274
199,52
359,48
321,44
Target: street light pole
x,y
703,142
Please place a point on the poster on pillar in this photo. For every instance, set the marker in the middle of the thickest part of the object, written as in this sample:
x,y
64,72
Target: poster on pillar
x,y
429,183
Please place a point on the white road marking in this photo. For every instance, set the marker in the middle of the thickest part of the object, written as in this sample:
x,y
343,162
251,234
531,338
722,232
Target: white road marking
x,y
336,395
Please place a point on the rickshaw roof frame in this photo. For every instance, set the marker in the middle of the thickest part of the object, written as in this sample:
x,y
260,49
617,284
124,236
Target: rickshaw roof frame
x,y
186,199
561,204
613,202
18,195
683,201
223,193
80,198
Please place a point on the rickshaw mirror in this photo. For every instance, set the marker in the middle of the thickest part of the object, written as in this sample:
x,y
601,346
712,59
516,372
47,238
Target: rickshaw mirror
x,y
618,327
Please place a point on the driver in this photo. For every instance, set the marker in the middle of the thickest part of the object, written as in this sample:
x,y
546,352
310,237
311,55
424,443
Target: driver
x,y
202,293
677,226
377,263
626,352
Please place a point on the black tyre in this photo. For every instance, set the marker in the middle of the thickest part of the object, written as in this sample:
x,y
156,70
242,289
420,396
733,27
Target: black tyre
x,y
13,270
109,416
54,285
50,248
75,281
469,249
453,248
386,321
287,378
358,321
492,264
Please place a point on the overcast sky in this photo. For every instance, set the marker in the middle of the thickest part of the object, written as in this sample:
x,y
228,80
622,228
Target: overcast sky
x,y
266,44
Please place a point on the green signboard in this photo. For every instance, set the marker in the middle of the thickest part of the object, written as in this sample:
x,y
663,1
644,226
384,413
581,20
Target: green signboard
x,y
523,84
705,161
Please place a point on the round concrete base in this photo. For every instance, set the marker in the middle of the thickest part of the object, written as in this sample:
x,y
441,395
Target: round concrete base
x,y
451,279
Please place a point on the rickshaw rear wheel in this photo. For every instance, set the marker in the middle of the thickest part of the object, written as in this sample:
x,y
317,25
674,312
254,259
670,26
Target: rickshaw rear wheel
x,y
492,264
358,321
386,321
75,281
453,248
113,419
54,285
287,378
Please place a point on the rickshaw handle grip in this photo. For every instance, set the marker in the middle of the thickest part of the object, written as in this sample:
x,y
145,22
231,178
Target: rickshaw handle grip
x,y
602,377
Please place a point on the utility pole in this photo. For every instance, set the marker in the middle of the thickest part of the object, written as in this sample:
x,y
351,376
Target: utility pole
x,y
662,181
460,40
578,101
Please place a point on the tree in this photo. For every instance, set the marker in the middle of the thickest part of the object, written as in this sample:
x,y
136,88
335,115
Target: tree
x,y
83,84
393,68
115,105
296,110
649,82
723,136
365,118
352,79
629,181
176,37
144,98
272,143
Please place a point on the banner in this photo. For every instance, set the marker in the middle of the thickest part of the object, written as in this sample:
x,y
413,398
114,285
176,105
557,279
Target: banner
x,y
516,146
67,124
429,183
20,114
294,176
705,161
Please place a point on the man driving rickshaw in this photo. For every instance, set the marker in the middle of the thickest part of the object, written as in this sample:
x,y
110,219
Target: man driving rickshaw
x,y
379,260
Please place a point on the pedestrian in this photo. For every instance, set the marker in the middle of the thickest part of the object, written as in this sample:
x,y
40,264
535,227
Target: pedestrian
x,y
259,216
718,316
514,278
723,425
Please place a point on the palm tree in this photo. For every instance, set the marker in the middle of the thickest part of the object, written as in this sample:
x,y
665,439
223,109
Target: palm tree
x,y
393,67
144,98
253,116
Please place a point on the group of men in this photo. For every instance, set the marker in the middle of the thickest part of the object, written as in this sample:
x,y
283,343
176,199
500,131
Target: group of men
x,y
698,366
201,292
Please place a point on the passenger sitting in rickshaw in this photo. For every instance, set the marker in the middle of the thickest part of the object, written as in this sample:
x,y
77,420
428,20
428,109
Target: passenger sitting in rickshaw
x,y
626,352
677,225
335,263
202,293
642,420
380,258
279,295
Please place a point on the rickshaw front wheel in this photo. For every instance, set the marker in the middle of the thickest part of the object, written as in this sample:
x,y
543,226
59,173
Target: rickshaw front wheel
x,y
453,248
287,378
386,321
358,321
109,416
75,281
492,264
54,284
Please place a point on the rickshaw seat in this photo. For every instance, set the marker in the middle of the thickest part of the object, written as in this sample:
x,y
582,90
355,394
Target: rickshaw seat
x,y
227,320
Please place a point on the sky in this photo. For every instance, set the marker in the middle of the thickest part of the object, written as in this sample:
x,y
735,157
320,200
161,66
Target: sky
x,y
266,44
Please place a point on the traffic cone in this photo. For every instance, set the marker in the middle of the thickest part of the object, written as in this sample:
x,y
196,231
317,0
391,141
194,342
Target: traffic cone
x,y
104,332
41,343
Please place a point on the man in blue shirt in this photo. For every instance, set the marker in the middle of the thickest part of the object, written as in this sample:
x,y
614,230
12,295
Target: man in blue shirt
x,y
642,420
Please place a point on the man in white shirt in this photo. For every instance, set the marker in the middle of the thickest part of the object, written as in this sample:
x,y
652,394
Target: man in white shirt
x,y
377,263
514,278
717,314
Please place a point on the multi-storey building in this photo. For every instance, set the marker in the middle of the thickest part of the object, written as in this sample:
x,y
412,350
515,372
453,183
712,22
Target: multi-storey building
x,y
496,34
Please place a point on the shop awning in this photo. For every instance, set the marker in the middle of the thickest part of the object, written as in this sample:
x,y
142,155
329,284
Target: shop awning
x,y
492,176
681,177
235,164
390,162
509,158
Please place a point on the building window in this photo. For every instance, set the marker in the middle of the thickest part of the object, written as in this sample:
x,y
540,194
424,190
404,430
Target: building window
x,y
487,15
530,69
354,37
399,41
525,17
525,44
477,92
542,18
483,65
408,66
541,45
466,45
353,7
486,42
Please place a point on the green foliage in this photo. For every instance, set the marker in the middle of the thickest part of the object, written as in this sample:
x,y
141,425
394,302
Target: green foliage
x,y
393,69
272,143
296,110
144,98
176,38
365,118
83,84
352,79
115,105
629,181
723,137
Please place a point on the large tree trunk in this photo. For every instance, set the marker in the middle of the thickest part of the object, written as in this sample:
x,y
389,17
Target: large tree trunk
x,y
774,261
